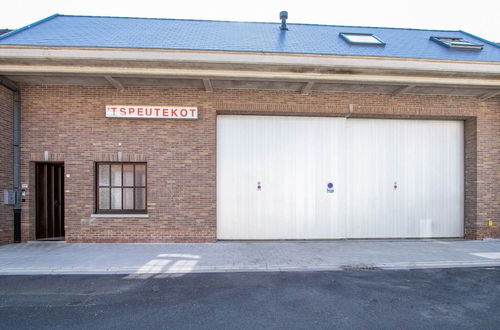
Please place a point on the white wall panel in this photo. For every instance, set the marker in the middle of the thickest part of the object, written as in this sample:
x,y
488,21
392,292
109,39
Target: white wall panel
x,y
294,158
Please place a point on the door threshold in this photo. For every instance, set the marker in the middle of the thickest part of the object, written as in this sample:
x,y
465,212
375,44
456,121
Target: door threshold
x,y
51,239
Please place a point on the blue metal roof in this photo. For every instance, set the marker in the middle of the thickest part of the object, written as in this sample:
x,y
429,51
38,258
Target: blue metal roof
x,y
125,32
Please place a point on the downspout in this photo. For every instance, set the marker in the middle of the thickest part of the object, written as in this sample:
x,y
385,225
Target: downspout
x,y
17,155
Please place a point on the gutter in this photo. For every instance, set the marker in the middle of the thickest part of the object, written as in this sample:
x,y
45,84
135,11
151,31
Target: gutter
x,y
17,155
246,75
34,54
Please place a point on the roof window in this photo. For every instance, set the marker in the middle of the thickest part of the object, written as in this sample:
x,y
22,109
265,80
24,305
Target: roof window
x,y
361,39
457,43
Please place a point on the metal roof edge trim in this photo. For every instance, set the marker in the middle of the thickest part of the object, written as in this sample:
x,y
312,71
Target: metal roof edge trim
x,y
245,51
57,53
6,35
482,39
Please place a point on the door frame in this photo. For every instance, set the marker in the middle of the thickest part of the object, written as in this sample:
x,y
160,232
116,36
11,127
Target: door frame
x,y
36,196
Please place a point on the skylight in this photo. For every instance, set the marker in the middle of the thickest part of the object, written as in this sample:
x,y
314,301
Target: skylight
x,y
457,43
361,38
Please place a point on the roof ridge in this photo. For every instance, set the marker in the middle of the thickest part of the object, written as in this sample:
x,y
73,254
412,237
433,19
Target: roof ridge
x,y
255,22
8,34
15,31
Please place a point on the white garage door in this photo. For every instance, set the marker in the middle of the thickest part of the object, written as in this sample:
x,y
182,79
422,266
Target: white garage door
x,y
405,178
321,178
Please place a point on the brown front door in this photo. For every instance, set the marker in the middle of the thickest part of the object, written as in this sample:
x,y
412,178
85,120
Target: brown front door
x,y
49,201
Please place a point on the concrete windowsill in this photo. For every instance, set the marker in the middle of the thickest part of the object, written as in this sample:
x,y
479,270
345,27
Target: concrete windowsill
x,y
119,215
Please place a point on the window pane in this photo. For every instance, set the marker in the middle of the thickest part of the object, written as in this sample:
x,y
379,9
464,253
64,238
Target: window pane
x,y
140,198
116,175
140,175
116,198
104,198
128,198
104,175
128,175
362,38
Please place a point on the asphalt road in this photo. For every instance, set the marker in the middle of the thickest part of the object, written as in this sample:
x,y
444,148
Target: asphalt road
x,y
352,299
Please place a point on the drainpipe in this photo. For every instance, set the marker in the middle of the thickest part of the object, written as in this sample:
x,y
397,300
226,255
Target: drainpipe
x,y
17,155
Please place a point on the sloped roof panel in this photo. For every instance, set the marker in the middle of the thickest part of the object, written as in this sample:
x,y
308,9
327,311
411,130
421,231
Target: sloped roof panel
x,y
122,32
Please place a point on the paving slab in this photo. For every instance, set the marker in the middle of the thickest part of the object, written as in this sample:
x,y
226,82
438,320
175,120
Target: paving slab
x,y
171,258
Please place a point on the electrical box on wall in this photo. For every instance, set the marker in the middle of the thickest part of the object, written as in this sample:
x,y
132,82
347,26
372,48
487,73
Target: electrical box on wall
x,y
9,197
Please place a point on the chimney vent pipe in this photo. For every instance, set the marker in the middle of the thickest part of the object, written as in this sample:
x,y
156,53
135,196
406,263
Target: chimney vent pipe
x,y
283,17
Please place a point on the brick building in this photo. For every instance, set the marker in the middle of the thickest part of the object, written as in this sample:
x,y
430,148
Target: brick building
x,y
156,130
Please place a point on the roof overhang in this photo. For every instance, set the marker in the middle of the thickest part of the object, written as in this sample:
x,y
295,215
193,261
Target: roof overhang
x,y
215,69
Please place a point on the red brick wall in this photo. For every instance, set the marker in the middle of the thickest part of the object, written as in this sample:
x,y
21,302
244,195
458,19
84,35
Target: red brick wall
x,y
6,156
69,123
488,169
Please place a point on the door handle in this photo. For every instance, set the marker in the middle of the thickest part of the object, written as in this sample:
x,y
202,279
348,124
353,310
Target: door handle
x,y
57,204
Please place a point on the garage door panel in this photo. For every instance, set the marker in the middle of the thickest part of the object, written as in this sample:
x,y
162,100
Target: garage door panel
x,y
371,177
415,183
293,159
432,164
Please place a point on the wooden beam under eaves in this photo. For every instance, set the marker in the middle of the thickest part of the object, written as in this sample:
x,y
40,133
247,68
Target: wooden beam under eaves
x,y
402,90
115,83
489,95
8,83
208,85
306,89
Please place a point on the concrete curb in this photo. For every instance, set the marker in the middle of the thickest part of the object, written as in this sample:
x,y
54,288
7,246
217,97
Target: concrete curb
x,y
224,269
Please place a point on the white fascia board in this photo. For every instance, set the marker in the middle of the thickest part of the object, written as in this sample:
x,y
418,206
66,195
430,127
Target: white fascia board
x,y
341,62
9,69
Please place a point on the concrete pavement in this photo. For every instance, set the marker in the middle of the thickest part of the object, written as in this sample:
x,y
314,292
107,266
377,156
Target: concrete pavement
x,y
147,260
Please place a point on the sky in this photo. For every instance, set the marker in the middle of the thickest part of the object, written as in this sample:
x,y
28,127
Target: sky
x,y
479,17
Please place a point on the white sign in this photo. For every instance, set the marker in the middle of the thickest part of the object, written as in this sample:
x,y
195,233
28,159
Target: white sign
x,y
151,111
